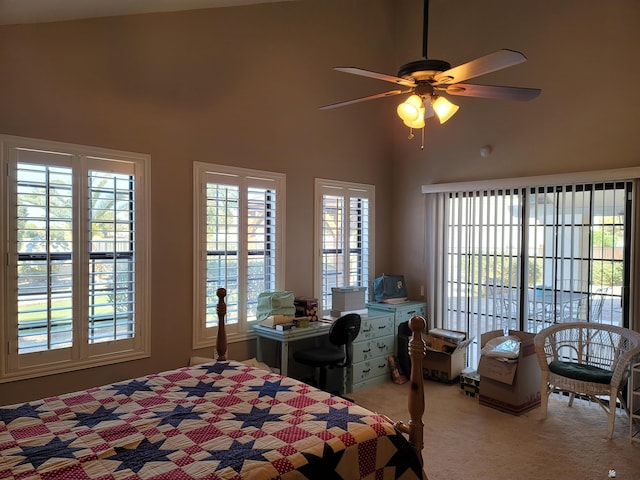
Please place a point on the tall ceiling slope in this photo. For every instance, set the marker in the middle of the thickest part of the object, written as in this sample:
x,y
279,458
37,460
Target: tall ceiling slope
x,y
42,11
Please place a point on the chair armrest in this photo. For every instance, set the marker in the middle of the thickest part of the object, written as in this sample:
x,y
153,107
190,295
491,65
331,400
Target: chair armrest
x,y
544,353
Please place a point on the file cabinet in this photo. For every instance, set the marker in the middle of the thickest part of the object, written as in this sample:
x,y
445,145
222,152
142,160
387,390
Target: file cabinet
x,y
402,312
372,346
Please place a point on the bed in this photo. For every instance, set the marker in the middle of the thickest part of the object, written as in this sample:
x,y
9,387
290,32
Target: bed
x,y
216,420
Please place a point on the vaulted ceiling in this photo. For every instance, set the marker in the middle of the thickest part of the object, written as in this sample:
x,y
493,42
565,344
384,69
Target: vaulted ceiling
x,y
40,11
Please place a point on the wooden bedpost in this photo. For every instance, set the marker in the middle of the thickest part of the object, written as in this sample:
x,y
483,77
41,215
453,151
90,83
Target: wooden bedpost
x,y
417,348
221,340
415,429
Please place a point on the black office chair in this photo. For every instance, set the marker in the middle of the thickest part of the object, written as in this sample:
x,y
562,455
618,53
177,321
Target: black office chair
x,y
341,336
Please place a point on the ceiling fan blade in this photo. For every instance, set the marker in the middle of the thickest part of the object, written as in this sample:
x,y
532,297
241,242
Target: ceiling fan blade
x,y
490,91
481,66
370,97
379,76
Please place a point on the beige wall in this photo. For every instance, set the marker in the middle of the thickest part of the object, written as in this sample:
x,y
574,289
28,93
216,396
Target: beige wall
x,y
238,86
583,54
241,86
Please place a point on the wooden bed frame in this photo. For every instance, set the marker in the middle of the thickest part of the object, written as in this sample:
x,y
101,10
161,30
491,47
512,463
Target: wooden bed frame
x,y
417,349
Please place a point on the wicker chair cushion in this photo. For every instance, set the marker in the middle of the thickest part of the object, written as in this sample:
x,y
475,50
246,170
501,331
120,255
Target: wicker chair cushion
x,y
580,371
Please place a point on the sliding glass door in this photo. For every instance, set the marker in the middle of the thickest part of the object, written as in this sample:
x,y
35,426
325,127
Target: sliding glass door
x,y
576,253
525,258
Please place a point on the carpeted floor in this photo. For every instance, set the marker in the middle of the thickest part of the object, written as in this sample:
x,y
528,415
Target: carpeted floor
x,y
466,440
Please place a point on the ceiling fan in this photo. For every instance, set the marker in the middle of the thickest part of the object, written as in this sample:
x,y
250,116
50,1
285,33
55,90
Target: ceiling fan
x,y
426,79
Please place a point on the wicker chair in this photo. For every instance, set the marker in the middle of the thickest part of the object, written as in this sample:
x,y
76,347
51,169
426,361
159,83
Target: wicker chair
x,y
587,359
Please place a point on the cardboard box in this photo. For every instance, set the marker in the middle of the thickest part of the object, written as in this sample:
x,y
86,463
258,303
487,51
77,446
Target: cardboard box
x,y
510,387
470,382
449,336
347,299
444,366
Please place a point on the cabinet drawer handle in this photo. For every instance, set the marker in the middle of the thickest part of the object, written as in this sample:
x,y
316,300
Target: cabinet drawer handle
x,y
366,371
412,312
380,346
366,351
384,365
381,327
366,330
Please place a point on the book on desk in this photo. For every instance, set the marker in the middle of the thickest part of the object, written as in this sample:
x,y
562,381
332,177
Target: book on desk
x,y
296,322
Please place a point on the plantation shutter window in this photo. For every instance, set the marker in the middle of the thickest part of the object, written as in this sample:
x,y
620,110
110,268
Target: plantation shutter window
x,y
344,238
239,224
76,280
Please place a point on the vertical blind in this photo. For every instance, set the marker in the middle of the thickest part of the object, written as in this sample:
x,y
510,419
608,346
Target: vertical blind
x,y
526,257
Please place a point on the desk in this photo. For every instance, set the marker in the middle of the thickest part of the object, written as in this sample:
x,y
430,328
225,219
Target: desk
x,y
371,348
315,329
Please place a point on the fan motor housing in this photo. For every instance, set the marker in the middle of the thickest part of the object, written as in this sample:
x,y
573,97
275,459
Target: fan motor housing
x,y
423,70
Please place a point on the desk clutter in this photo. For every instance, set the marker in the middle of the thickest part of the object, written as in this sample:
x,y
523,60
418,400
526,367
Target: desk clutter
x,y
275,304
296,322
284,311
347,300
306,307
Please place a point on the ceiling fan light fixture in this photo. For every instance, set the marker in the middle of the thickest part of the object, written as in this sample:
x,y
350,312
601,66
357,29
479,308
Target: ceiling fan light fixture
x,y
408,113
418,122
428,111
409,110
426,76
444,108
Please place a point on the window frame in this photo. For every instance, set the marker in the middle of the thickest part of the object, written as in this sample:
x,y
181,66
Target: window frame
x,y
348,190
204,336
82,353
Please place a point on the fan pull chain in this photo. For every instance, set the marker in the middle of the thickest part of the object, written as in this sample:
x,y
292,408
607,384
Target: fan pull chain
x,y
411,135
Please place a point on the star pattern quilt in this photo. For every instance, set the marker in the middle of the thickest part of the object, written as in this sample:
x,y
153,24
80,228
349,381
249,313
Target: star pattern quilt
x,y
219,420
